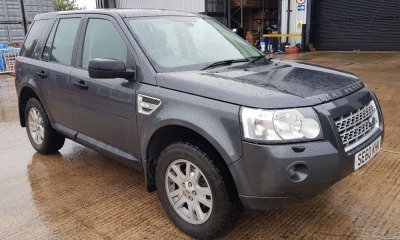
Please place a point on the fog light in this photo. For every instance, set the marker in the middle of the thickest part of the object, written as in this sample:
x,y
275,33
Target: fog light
x,y
297,172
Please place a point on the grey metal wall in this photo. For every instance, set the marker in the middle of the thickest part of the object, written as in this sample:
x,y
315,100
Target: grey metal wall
x,y
179,5
34,7
11,33
11,18
10,11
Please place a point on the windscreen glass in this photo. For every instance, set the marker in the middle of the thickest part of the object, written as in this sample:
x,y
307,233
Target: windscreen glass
x,y
176,43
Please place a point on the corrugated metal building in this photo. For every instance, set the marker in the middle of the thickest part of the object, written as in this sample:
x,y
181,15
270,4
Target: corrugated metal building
x,y
16,15
179,5
330,24
214,8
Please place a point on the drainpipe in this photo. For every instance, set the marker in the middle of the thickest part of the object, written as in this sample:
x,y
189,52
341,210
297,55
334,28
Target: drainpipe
x,y
288,20
308,22
23,16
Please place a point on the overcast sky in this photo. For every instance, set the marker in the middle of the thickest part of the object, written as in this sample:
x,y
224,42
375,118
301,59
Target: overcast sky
x,y
90,4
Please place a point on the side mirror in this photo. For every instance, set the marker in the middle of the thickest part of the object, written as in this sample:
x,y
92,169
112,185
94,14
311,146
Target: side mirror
x,y
109,68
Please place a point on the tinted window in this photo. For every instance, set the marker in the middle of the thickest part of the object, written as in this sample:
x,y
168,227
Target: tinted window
x,y
32,39
102,40
61,41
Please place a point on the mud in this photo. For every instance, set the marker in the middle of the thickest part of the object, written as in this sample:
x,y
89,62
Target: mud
x,y
79,194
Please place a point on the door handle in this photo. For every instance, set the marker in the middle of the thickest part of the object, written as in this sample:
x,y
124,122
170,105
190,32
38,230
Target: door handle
x,y
42,74
81,85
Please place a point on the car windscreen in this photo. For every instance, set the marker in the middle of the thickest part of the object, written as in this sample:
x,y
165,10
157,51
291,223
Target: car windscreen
x,y
181,43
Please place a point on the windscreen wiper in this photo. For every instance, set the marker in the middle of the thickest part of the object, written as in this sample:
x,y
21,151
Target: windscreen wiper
x,y
225,62
259,58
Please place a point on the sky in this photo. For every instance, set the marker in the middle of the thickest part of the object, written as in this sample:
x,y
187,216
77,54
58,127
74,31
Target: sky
x,y
90,4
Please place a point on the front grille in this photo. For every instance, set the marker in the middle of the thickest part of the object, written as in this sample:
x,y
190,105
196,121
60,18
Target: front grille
x,y
355,127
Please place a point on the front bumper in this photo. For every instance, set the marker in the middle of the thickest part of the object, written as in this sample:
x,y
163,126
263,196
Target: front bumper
x,y
264,176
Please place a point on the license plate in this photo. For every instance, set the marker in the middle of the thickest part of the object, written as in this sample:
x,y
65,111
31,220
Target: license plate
x,y
367,154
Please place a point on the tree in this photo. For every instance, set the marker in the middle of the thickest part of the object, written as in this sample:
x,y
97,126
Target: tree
x,y
65,5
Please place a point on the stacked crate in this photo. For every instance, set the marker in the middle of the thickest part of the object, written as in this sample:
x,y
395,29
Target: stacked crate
x,y
11,17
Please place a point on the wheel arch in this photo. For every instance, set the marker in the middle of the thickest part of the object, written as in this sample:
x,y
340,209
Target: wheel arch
x,y
25,94
166,135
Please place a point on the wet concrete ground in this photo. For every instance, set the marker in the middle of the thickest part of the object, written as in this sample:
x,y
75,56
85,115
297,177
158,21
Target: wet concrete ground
x,y
79,194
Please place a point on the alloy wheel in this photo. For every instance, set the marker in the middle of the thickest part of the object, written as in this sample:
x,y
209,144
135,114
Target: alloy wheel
x,y
36,127
188,191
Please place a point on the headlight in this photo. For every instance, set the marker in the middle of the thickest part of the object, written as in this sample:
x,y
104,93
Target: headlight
x,y
280,125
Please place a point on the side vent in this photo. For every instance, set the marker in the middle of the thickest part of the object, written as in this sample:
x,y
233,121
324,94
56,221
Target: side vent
x,y
147,105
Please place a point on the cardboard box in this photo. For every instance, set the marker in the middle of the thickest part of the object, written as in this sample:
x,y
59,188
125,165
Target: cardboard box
x,y
249,37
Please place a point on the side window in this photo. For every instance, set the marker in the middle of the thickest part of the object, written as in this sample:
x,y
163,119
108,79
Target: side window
x,y
102,40
49,44
61,41
33,37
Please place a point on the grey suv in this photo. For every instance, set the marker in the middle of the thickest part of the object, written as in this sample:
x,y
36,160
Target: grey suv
x,y
212,123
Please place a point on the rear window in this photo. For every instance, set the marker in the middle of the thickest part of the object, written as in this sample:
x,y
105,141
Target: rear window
x,y
33,37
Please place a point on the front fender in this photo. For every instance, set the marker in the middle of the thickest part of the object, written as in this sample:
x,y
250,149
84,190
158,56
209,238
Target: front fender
x,y
216,121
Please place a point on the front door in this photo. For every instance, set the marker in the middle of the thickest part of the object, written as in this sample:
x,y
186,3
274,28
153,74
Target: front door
x,y
105,108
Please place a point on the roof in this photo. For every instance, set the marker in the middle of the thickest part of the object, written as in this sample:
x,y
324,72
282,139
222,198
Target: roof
x,y
121,12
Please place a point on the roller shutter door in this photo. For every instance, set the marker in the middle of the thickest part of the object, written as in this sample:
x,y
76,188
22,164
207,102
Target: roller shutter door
x,y
355,25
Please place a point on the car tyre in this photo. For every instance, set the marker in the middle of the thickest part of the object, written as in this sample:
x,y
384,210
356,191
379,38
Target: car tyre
x,y
194,192
42,136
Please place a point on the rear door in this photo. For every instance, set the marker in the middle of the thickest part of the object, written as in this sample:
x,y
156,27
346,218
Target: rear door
x,y
54,69
105,108
29,59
